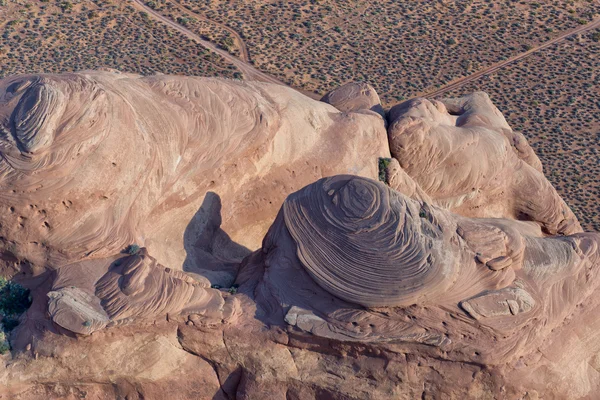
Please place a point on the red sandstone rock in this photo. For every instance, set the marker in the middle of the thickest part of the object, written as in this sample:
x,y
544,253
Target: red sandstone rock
x,y
445,283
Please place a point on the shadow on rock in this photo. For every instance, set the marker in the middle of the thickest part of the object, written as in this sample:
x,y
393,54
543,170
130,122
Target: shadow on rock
x,y
210,252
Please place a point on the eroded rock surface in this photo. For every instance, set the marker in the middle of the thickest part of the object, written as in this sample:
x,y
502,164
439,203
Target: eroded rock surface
x,y
94,161
90,295
462,276
355,96
465,156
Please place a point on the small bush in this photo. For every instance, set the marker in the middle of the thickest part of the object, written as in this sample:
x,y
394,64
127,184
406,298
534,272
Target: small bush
x,y
9,323
132,249
14,298
4,345
383,164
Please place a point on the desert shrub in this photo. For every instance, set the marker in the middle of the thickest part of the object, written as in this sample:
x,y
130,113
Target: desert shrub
x,y
383,164
4,345
65,5
132,249
14,299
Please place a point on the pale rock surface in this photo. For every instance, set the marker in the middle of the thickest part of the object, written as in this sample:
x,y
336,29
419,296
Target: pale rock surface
x,y
355,96
194,169
447,281
465,156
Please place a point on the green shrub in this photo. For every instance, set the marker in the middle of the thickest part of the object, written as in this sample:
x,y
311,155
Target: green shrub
x,y
4,345
383,164
132,249
14,298
9,323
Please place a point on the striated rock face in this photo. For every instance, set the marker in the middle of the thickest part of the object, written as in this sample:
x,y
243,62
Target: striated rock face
x,y
356,242
89,295
94,161
462,275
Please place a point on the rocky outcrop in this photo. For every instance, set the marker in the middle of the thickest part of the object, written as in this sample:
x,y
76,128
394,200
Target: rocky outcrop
x,y
355,96
89,295
95,161
274,264
465,156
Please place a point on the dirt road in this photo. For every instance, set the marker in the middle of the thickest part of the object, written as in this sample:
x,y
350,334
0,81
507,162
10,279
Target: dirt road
x,y
250,73
244,55
459,82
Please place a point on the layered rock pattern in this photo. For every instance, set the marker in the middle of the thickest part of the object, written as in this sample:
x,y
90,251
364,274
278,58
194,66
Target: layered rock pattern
x,y
92,162
463,275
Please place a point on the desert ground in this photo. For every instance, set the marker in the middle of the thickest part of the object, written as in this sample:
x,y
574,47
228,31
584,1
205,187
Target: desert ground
x,y
402,48
73,36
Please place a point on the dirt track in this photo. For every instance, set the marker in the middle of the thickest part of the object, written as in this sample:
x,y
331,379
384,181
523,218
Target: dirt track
x,y
250,73
459,82
253,74
244,55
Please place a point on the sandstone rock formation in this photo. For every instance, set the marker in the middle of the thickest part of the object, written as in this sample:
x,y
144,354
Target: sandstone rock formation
x,y
89,295
355,96
94,161
463,154
463,275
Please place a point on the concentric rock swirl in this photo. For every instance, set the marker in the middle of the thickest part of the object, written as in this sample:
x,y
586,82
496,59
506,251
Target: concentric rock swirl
x,y
362,242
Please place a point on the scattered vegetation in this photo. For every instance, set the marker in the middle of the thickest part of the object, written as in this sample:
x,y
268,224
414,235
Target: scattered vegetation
x,y
4,345
209,30
402,48
233,289
62,36
14,298
383,164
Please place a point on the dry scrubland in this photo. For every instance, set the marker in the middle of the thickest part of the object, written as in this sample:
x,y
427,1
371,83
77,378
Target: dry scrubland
x,y
553,98
403,48
63,36
209,30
